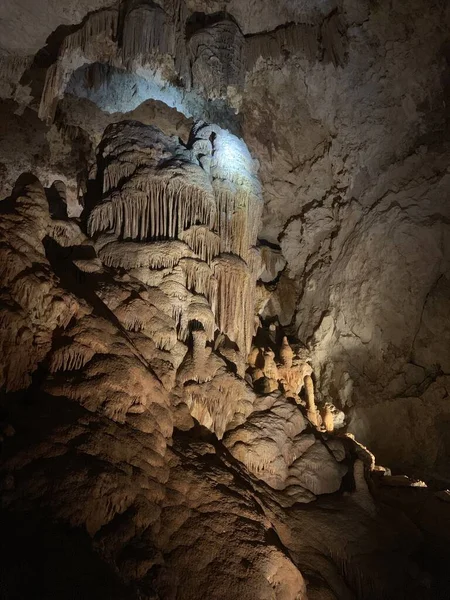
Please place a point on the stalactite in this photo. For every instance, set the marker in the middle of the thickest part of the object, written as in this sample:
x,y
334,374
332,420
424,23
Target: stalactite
x,y
232,161
295,38
169,196
238,218
76,48
70,358
334,39
236,187
66,233
115,172
254,262
216,403
101,23
217,58
199,312
179,298
139,316
199,277
132,255
204,242
52,88
179,14
162,210
234,306
12,67
147,31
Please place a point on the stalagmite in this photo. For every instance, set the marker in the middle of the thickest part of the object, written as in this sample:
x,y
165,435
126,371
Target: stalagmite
x,y
199,339
286,354
267,385
270,368
327,418
257,374
310,402
253,356
200,364
293,377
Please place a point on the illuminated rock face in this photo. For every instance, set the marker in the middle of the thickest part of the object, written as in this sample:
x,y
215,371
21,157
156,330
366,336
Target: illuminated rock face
x,y
174,390
191,210
131,355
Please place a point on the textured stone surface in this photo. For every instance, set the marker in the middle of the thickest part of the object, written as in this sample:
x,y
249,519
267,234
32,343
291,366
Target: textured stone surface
x,y
128,417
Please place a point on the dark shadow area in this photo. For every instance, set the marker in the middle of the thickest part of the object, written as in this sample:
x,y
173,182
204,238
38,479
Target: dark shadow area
x,y
49,561
199,20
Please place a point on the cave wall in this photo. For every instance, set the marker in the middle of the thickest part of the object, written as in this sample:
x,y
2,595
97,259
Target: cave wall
x,y
231,258
346,110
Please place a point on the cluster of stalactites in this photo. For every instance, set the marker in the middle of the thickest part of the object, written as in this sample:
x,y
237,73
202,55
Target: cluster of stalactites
x,y
154,188
193,210
236,186
291,39
204,242
216,57
163,211
147,30
93,42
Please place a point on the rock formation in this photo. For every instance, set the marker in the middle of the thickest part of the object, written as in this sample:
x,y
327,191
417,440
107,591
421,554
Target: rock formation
x,y
225,278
